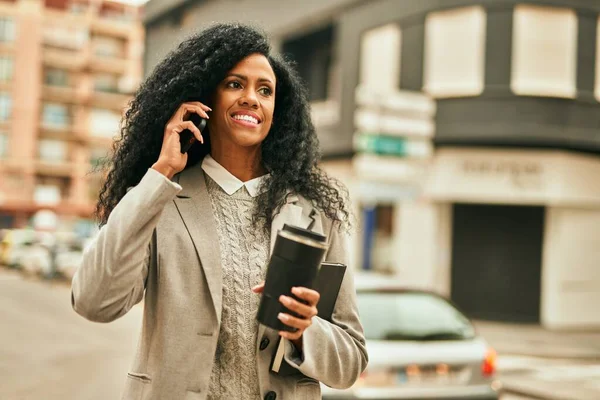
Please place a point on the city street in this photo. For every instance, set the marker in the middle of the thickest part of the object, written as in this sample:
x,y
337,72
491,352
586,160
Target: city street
x,y
50,353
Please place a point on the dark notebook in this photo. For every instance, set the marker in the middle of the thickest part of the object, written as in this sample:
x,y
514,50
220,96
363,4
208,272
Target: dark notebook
x,y
328,283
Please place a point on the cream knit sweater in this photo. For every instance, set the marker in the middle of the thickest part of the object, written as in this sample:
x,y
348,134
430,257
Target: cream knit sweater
x,y
244,253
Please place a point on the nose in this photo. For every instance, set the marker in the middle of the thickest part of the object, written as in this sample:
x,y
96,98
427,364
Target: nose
x,y
248,99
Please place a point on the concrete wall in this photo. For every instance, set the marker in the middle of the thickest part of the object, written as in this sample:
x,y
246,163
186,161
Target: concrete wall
x,y
423,245
571,271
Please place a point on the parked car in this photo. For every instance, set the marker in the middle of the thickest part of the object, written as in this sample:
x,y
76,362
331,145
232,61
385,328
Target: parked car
x,y
16,243
420,345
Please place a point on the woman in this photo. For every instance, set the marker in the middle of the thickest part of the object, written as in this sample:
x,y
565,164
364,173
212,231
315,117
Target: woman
x,y
194,231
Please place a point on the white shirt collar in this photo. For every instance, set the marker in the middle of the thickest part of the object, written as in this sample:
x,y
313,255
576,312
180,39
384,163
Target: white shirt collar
x,y
229,183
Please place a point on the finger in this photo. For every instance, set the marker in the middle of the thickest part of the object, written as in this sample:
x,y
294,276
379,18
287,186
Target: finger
x,y
291,335
300,308
309,295
203,106
190,125
298,323
192,108
259,288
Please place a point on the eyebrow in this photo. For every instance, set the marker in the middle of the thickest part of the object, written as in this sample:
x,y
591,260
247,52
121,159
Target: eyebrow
x,y
245,78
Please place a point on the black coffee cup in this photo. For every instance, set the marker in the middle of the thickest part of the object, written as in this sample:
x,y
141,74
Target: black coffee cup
x,y
295,262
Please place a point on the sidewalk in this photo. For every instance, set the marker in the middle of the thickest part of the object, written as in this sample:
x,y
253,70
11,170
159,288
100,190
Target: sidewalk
x,y
551,365
535,341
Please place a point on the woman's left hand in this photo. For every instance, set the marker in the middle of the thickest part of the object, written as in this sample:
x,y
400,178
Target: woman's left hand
x,y
305,311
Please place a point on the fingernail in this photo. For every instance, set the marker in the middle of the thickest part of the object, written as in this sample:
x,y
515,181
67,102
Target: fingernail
x,y
284,299
296,290
282,316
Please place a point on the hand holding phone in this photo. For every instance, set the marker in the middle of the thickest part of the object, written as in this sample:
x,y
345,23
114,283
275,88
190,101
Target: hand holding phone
x,y
189,119
186,137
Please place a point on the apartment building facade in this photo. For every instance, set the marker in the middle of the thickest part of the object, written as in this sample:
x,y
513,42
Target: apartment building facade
x,y
67,70
487,195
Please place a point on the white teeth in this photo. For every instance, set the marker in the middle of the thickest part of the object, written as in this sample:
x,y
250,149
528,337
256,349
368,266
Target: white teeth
x,y
246,118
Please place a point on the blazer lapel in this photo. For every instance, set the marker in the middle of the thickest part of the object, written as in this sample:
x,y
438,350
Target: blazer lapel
x,y
296,211
195,208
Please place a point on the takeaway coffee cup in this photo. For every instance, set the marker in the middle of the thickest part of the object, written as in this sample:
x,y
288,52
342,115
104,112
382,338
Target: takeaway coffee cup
x,y
295,261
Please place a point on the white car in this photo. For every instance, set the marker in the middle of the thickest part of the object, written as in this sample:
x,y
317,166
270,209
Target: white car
x,y
420,346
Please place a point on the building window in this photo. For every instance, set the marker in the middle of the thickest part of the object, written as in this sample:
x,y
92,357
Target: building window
x,y
544,51
109,47
378,231
55,115
598,61
455,52
65,37
5,106
106,83
6,68
3,145
313,55
54,151
104,123
380,58
56,77
7,30
50,190
47,194
97,156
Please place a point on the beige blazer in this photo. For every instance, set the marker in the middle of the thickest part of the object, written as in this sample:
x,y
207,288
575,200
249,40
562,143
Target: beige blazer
x,y
162,241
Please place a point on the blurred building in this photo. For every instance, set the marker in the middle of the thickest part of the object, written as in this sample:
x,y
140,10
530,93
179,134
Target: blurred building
x,y
467,131
67,70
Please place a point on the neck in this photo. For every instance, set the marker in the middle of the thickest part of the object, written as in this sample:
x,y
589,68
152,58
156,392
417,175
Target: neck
x,y
244,164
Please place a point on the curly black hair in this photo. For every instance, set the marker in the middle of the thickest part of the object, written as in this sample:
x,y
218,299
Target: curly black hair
x,y
192,71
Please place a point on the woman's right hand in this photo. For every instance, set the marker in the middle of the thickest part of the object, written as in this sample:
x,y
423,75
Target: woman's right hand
x,y
171,160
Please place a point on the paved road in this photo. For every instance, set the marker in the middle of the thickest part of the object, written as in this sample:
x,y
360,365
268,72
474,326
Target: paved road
x,y
47,352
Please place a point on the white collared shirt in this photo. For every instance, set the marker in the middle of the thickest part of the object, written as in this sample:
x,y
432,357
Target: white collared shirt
x,y
229,183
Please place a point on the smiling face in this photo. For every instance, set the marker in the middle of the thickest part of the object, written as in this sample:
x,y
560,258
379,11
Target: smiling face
x,y
243,105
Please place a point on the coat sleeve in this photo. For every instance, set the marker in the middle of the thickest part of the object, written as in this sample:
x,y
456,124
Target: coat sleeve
x,y
334,353
112,276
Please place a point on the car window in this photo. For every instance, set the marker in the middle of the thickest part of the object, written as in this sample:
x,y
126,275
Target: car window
x,y
411,316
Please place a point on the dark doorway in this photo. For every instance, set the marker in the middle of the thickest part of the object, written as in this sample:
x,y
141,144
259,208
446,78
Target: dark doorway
x,y
497,261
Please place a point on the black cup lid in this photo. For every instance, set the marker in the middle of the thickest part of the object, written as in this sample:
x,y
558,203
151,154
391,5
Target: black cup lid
x,y
305,232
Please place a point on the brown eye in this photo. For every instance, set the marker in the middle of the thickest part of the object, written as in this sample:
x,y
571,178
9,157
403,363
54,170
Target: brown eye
x,y
265,91
234,85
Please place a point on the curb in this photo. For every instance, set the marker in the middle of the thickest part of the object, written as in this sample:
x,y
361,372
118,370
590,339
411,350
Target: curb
x,y
532,394
587,357
525,393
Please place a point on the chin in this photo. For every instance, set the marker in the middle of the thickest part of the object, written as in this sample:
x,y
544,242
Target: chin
x,y
248,139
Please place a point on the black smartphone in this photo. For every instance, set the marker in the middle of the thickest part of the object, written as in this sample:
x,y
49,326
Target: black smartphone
x,y
187,138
